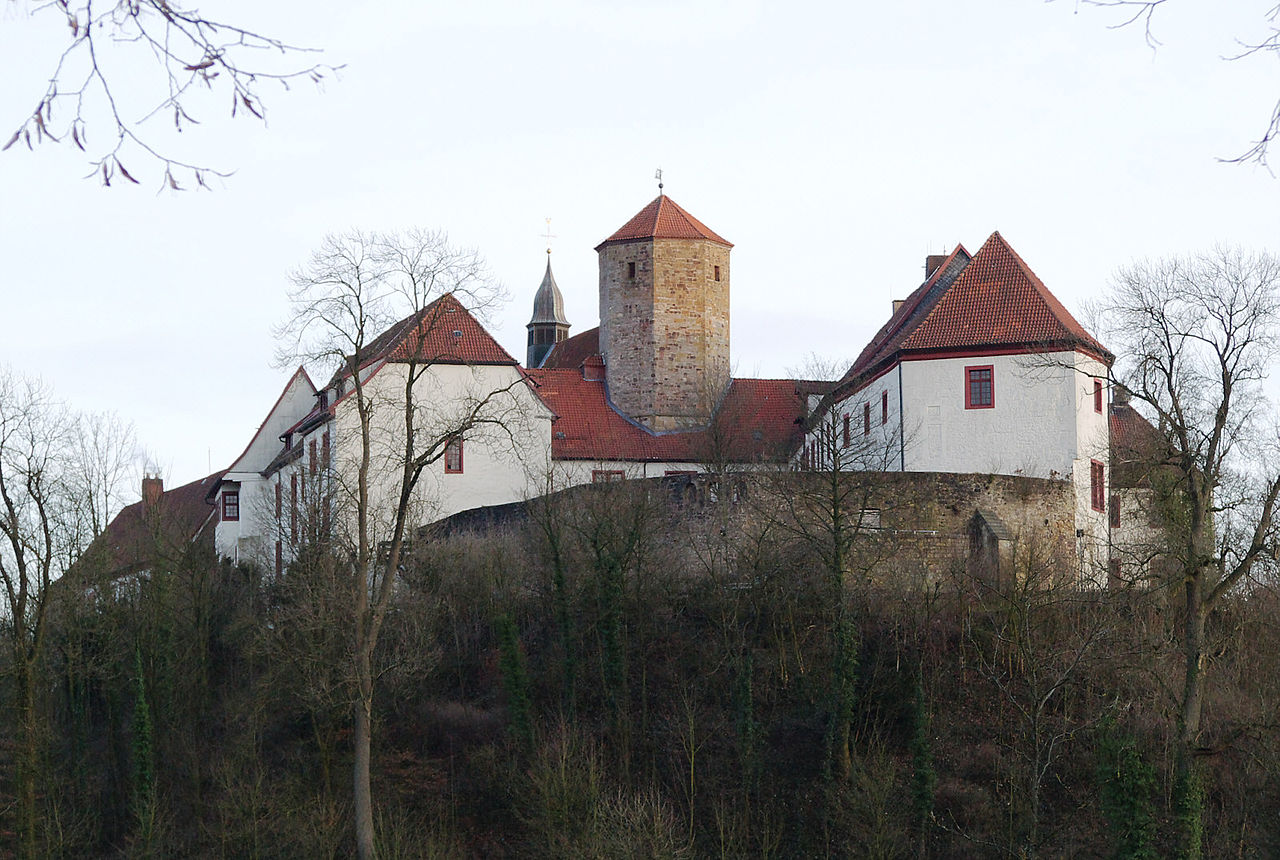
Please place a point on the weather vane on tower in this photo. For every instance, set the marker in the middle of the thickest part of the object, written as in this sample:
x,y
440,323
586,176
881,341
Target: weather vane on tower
x,y
657,174
548,236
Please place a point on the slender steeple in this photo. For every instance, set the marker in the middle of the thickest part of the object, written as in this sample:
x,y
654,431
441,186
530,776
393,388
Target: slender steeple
x,y
548,325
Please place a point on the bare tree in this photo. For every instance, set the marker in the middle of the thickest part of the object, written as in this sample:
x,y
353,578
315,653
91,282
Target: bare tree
x,y
834,512
1197,336
190,51
34,443
105,461
1143,13
394,419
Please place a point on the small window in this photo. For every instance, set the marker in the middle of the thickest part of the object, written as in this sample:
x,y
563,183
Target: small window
x,y
866,419
324,450
453,456
293,505
979,387
1097,486
848,436
717,268
605,476
231,506
884,408
312,457
1097,395
279,558
279,500
631,270
1115,511
870,518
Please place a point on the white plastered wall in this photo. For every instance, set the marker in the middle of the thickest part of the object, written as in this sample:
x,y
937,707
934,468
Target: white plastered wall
x,y
505,456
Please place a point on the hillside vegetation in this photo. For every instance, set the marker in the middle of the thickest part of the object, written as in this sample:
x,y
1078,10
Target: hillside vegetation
x,y
616,676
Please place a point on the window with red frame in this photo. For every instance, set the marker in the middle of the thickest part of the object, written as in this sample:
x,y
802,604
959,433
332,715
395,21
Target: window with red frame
x,y
979,387
1097,395
279,558
230,506
848,436
604,476
884,407
453,457
312,456
1097,486
279,499
866,419
324,450
293,505
1115,511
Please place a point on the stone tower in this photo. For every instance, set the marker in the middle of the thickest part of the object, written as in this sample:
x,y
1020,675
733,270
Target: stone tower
x,y
664,317
548,325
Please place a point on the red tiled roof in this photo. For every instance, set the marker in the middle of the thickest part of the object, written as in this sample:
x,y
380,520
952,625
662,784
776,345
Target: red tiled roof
x,y
571,352
990,300
1135,446
136,539
998,301
663,219
755,422
445,332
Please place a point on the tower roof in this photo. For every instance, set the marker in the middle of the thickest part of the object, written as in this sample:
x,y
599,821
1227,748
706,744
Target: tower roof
x,y
548,304
663,219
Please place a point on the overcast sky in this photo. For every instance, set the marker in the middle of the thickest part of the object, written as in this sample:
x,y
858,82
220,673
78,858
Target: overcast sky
x,y
836,144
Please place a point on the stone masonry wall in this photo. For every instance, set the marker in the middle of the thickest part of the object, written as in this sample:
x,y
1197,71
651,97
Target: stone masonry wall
x,y
665,332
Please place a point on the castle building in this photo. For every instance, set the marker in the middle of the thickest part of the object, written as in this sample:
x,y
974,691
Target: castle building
x,y
979,370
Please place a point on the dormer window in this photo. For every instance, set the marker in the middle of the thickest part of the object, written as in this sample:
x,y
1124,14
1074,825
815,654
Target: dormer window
x,y
324,399
230,506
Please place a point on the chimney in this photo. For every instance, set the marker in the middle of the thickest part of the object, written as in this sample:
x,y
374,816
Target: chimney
x,y
152,489
931,264
897,305
593,369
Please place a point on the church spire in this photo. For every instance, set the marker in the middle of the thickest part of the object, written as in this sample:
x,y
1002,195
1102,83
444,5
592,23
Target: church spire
x,y
548,326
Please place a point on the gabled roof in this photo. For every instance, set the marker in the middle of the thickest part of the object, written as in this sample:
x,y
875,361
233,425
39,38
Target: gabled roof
x,y
663,219
443,332
756,422
571,352
991,300
138,538
1135,444
300,377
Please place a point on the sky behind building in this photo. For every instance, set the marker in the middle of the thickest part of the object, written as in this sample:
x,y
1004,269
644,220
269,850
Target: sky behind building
x,y
836,145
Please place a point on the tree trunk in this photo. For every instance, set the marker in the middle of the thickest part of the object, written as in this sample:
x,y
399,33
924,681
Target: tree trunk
x,y
1185,777
28,754
362,790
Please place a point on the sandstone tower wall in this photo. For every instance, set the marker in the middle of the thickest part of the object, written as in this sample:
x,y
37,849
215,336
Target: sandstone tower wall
x,y
664,328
